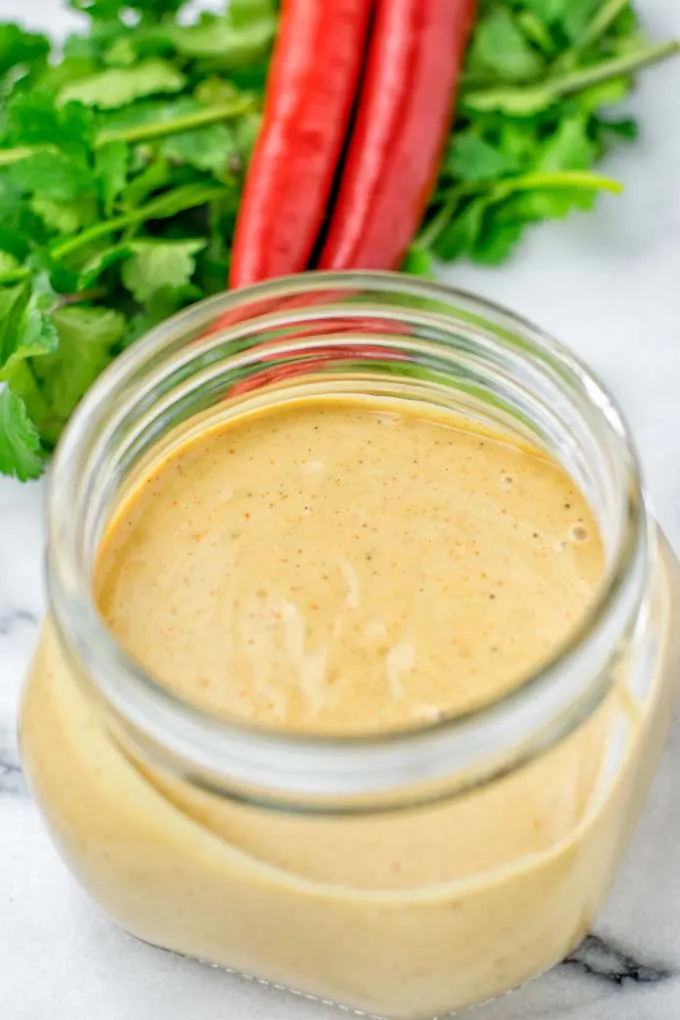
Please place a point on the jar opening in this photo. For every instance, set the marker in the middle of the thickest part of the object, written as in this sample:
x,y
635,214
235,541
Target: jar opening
x,y
354,333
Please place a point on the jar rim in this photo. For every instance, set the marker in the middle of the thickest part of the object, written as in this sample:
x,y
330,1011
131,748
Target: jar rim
x,y
251,761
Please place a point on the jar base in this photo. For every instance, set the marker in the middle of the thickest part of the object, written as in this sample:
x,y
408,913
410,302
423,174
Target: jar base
x,y
471,1011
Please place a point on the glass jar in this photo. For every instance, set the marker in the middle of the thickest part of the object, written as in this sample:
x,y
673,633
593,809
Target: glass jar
x,y
188,829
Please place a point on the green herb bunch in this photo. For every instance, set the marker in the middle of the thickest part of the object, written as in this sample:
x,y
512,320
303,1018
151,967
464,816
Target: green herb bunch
x,y
121,168
123,155
533,118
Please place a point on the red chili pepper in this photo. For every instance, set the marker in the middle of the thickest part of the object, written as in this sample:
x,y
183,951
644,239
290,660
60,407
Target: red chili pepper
x,y
310,361
322,356
266,306
403,118
310,91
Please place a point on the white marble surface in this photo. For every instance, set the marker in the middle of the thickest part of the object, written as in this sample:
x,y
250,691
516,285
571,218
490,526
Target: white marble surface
x,y
609,285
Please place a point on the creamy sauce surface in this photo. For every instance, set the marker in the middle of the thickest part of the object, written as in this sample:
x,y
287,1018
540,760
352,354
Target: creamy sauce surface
x,y
339,568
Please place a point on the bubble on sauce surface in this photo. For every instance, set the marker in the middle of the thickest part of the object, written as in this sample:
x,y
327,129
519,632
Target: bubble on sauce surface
x,y
312,467
579,533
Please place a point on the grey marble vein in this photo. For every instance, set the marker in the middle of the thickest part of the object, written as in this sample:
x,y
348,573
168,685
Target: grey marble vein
x,y
12,779
607,961
12,619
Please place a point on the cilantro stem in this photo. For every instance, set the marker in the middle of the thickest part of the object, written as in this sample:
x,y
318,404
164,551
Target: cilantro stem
x,y
149,132
526,100
91,294
176,125
162,207
619,67
537,30
14,276
9,156
500,190
429,234
602,21
580,179
598,27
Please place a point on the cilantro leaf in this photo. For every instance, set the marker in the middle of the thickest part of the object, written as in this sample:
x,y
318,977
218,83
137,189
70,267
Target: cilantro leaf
x,y
65,217
209,148
20,48
13,302
497,240
571,18
21,454
54,174
149,111
12,240
111,169
231,40
25,327
34,119
156,265
568,148
107,10
500,49
548,204
138,325
246,131
419,262
112,89
607,93
99,263
87,338
9,263
624,129
459,236
57,172
471,157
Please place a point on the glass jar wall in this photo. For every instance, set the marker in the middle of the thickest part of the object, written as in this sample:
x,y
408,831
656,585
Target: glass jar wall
x,y
407,873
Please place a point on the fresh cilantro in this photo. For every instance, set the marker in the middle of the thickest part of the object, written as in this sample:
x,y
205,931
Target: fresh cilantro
x,y
570,18
156,265
87,338
501,50
34,119
99,263
107,10
471,157
123,156
238,38
419,262
20,49
21,453
458,235
532,121
53,173
65,217
8,265
111,167
113,89
25,327
209,148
